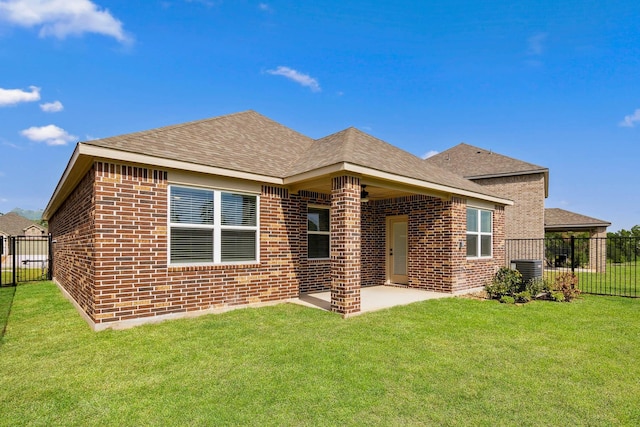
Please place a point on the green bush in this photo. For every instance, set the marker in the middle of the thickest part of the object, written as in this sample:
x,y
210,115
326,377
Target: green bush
x,y
508,287
505,282
524,296
537,286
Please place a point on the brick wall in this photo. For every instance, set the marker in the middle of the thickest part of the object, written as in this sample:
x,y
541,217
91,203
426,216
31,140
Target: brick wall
x,y
112,254
525,219
73,249
436,261
133,279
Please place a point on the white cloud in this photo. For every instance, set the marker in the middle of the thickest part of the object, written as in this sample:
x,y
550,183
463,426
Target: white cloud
x,y
631,120
60,18
428,154
536,44
15,96
264,7
207,3
298,77
50,135
52,107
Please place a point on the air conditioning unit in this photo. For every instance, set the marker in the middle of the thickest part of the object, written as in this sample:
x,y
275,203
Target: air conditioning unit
x,y
529,268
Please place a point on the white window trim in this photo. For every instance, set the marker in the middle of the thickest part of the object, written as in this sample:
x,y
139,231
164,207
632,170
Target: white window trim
x,y
217,228
480,233
324,233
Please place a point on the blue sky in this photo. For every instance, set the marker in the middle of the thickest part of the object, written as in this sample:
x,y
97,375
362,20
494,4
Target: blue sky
x,y
552,83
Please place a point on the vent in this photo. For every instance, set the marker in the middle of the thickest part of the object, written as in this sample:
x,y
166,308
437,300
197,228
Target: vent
x,y
529,268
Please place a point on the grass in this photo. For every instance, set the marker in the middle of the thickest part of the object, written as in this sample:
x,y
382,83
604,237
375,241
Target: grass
x,y
618,279
442,362
6,276
6,299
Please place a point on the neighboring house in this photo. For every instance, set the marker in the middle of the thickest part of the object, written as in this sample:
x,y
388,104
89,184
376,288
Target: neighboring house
x,y
526,184
560,220
12,224
240,210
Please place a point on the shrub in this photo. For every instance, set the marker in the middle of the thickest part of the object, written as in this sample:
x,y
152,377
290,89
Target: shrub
x,y
537,287
567,284
505,282
506,299
524,296
557,296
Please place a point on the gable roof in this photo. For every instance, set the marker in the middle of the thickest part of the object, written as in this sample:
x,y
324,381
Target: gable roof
x,y
476,163
557,219
250,146
244,142
13,224
359,148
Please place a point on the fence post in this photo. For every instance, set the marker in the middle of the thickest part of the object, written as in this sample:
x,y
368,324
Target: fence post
x,y
14,258
50,272
1,256
573,254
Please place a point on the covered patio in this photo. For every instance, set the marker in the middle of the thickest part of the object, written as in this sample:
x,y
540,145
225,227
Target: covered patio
x,y
373,298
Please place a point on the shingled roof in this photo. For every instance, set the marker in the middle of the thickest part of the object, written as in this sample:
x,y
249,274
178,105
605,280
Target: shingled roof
x,y
474,162
556,219
13,224
477,163
245,142
250,146
359,148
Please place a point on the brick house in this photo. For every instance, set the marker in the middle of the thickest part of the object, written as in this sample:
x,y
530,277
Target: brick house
x,y
527,185
239,210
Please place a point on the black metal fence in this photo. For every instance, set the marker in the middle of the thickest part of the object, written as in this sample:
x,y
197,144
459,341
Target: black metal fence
x,y
25,259
604,266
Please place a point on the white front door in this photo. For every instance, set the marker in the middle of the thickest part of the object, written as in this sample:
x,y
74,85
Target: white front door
x,y
397,250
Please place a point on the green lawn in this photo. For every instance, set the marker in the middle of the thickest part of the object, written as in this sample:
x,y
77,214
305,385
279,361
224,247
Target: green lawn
x,y
6,276
618,279
6,298
24,275
442,362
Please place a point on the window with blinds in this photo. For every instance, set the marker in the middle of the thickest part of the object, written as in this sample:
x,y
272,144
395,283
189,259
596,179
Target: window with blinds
x,y
210,226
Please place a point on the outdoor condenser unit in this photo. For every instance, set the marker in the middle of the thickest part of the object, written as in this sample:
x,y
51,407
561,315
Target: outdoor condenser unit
x,y
529,268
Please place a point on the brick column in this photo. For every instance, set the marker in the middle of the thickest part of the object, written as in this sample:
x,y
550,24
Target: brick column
x,y
345,245
598,250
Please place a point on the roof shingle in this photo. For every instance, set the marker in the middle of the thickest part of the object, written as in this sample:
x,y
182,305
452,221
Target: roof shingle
x,y
560,218
13,224
354,146
474,162
246,142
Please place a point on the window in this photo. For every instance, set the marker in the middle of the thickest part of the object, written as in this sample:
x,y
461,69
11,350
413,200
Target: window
x,y
209,226
318,233
479,233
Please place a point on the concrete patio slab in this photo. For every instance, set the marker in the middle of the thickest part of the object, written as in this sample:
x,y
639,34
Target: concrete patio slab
x,y
373,298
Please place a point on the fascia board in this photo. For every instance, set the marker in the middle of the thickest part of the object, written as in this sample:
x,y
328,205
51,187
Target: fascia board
x,y
393,178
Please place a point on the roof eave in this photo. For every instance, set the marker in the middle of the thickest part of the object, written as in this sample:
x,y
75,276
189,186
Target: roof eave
x,y
85,154
582,226
544,171
394,178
